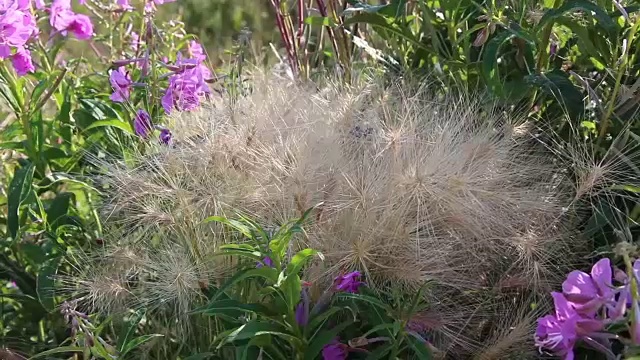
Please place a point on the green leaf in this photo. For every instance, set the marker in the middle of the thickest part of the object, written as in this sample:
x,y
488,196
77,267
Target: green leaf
x,y
53,153
319,20
381,352
256,328
45,284
128,329
490,59
33,252
58,210
365,298
379,328
557,84
604,20
58,350
237,225
379,21
232,308
292,288
319,319
126,127
268,273
323,338
419,347
134,343
19,190
300,259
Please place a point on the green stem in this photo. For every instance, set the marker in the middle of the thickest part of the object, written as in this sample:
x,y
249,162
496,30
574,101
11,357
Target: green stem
x,y
543,56
624,61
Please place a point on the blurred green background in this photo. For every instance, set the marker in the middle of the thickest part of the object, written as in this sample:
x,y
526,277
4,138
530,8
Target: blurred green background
x,y
219,23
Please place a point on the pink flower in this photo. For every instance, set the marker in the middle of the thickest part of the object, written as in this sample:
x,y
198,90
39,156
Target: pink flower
x,y
81,27
142,124
349,282
21,61
334,351
121,83
590,292
559,333
39,4
186,86
16,28
135,41
196,51
63,19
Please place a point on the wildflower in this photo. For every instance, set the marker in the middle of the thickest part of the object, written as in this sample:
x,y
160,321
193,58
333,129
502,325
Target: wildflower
x,y
63,19
39,4
559,333
302,309
186,85
334,351
21,61
165,136
590,292
349,282
135,41
16,28
267,261
121,83
142,124
196,51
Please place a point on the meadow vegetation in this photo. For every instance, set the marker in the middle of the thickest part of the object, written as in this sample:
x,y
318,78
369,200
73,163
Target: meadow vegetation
x,y
331,179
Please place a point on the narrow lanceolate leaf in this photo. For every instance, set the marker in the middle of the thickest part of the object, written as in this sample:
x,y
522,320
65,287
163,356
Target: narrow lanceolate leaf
x,y
126,127
603,19
19,191
45,285
323,338
300,259
231,308
134,343
557,84
490,58
268,273
420,347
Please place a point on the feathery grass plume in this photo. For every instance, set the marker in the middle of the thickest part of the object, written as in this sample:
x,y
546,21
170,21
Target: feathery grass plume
x,y
511,336
415,186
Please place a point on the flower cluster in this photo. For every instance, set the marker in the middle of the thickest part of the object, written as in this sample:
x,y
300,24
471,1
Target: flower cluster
x,y
587,304
187,83
18,25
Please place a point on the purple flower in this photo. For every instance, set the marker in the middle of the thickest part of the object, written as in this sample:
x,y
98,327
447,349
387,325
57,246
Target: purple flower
x,y
142,124
267,261
21,61
121,83
39,4
165,136
559,333
81,27
196,51
334,351
186,85
63,19
590,292
553,49
135,41
302,309
349,282
16,28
